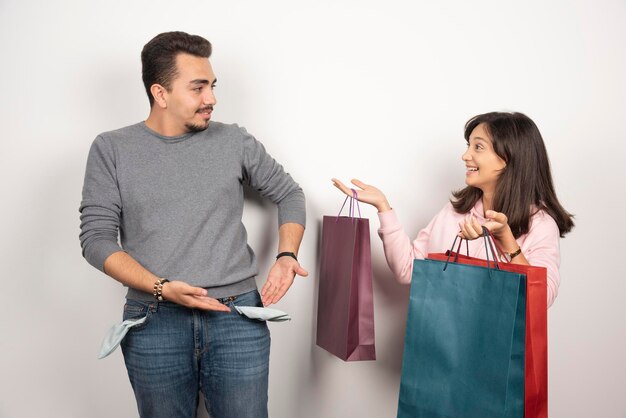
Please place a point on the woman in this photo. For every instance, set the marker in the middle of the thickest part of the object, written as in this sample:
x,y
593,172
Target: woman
x,y
509,191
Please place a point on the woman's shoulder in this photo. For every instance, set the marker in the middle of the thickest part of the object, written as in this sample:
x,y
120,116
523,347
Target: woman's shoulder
x,y
446,216
447,211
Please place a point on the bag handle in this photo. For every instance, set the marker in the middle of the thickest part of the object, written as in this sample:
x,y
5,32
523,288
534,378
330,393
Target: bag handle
x,y
451,251
458,249
490,241
499,251
353,199
489,245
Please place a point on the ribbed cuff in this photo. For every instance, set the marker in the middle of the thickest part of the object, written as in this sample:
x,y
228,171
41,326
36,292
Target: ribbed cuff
x,y
388,219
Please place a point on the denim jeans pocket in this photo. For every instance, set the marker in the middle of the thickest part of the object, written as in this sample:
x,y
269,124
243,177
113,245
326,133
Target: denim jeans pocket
x,y
136,309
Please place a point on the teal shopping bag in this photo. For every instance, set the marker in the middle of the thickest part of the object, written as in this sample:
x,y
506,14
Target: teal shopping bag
x,y
464,343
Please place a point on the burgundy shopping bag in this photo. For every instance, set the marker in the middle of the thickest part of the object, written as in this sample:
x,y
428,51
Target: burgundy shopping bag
x,y
536,352
345,308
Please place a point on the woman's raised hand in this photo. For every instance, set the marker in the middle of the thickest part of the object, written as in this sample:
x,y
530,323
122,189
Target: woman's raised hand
x,y
366,194
497,224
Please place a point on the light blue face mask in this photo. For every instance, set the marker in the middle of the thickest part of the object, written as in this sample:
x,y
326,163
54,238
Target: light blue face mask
x,y
116,334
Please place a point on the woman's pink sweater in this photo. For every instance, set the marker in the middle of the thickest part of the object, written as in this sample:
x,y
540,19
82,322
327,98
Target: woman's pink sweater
x,y
540,245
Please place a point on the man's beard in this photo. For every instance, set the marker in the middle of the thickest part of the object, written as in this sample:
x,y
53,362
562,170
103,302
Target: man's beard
x,y
192,127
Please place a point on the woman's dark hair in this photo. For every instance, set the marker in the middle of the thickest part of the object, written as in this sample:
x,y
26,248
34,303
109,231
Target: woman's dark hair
x,y
526,180
158,57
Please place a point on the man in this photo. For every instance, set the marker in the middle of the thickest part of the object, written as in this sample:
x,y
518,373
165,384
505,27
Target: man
x,y
172,186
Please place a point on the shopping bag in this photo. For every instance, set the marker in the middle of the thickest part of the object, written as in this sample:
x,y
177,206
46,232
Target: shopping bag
x,y
345,308
464,343
536,351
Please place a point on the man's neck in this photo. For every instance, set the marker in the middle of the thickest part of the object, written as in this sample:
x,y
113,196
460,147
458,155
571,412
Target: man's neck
x,y
159,124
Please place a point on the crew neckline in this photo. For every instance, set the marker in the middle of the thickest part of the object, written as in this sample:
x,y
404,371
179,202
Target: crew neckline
x,y
167,139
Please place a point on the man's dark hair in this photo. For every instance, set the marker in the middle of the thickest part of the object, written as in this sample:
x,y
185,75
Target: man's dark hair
x,y
158,57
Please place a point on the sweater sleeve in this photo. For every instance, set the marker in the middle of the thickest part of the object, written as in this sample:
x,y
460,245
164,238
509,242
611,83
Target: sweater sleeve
x,y
264,174
541,248
400,251
101,207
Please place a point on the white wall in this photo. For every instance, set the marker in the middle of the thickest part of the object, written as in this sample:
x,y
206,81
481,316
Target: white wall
x,y
365,89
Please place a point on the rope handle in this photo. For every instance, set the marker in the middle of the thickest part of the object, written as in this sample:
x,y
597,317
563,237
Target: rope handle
x,y
354,202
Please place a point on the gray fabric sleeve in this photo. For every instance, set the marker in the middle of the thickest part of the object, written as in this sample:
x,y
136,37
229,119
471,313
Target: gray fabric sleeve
x,y
101,207
265,175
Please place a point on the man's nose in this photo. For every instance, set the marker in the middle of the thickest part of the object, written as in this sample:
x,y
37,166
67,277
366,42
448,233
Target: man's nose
x,y
209,97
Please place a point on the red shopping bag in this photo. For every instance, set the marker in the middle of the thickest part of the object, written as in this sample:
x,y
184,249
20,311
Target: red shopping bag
x,y
536,352
345,307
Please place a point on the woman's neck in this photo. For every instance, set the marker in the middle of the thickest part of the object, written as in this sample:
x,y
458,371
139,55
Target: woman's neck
x,y
487,202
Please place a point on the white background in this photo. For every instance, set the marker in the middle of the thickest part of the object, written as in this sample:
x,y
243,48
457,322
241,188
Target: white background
x,y
373,90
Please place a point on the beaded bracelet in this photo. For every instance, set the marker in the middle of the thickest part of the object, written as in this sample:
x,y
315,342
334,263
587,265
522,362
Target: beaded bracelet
x,y
158,289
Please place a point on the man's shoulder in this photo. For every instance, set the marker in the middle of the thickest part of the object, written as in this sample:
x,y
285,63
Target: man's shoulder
x,y
227,129
125,132
136,133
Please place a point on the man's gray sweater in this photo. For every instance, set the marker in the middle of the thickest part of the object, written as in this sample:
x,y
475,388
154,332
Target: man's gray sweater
x,y
177,203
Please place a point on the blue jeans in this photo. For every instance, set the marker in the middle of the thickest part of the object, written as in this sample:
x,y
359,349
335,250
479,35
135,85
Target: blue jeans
x,y
179,351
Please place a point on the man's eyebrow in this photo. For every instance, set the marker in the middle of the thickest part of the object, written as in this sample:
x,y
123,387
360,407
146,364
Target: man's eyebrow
x,y
202,81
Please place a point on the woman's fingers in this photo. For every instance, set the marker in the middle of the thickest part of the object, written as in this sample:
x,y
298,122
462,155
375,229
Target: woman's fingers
x,y
365,193
470,228
338,184
358,183
476,226
497,217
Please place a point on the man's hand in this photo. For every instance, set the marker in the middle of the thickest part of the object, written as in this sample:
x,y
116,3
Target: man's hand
x,y
191,297
280,278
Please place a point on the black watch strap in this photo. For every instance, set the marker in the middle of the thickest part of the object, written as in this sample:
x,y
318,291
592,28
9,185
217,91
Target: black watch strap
x,y
288,254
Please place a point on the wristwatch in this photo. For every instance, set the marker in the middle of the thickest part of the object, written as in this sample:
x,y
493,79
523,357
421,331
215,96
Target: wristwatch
x,y
510,256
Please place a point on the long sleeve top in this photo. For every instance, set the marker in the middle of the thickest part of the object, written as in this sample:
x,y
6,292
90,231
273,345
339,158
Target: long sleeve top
x,y
540,245
177,203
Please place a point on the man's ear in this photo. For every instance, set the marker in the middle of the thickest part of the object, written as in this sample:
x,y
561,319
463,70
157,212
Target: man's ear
x,y
159,93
